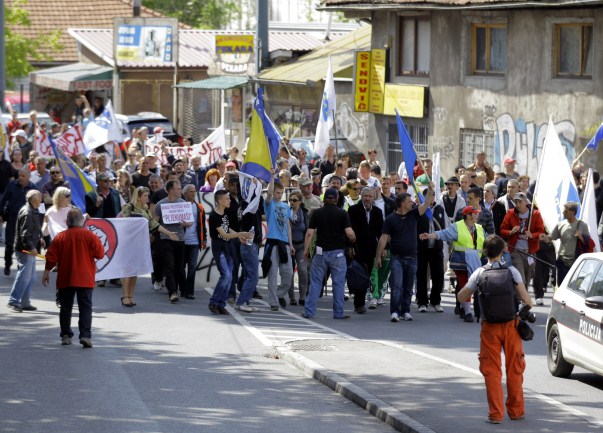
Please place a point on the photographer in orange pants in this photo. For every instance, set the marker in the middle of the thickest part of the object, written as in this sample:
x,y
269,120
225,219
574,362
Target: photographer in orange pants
x,y
498,287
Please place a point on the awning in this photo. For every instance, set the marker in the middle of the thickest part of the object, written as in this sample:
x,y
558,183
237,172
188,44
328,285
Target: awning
x,y
311,68
221,82
76,76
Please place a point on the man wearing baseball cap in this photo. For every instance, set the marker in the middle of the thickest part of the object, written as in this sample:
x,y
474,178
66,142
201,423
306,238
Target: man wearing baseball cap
x,y
24,144
510,168
468,239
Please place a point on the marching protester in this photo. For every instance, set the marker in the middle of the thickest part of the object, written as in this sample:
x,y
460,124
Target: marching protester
x,y
138,207
74,248
499,332
28,243
400,231
12,201
195,239
298,221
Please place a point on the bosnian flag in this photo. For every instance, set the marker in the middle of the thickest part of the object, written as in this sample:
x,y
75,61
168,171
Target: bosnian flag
x,y
326,118
104,128
555,184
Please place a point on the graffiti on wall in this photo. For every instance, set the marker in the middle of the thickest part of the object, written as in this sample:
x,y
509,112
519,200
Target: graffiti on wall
x,y
440,114
352,125
523,141
444,145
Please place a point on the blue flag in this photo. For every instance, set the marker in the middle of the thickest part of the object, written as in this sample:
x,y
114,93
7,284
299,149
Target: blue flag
x,y
410,158
80,182
594,142
264,141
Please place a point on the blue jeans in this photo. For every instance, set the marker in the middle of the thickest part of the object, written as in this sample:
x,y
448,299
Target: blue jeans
x,y
401,281
24,281
191,256
221,252
250,274
335,262
236,264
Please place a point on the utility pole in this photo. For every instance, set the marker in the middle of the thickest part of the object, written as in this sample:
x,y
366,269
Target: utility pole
x,y
261,32
2,56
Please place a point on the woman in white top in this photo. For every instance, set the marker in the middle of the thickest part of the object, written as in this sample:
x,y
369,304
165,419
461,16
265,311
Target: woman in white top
x,y
55,220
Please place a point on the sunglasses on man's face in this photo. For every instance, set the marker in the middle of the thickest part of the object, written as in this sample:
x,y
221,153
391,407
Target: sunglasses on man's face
x,y
293,200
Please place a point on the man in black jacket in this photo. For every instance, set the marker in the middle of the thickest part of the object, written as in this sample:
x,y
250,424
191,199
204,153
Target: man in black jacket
x,y
12,201
29,242
367,222
431,254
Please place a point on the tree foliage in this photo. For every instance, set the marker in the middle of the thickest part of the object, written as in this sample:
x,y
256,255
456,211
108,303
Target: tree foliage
x,y
203,14
20,50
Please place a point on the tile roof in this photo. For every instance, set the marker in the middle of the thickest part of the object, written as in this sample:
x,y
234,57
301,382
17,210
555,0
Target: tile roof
x,y
46,16
398,4
195,48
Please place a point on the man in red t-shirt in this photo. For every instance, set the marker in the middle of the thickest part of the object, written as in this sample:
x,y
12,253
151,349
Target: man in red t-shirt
x,y
74,249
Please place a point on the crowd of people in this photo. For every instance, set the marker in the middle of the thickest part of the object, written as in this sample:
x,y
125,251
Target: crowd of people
x,y
399,242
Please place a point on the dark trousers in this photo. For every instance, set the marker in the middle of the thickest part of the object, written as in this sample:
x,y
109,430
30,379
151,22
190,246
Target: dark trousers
x,y
172,261
9,240
542,272
434,258
191,256
156,255
562,270
84,303
360,293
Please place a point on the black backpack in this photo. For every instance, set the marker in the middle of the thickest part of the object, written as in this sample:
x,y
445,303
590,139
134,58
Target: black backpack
x,y
496,294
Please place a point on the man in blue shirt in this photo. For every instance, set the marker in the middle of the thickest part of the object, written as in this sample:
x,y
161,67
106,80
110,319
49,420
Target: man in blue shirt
x,y
279,245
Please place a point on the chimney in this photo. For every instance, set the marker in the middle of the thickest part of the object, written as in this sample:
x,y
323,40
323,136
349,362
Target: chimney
x,y
136,8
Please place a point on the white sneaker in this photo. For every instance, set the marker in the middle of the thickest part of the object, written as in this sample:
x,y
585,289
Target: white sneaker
x,y
373,304
407,317
422,308
381,301
157,286
244,308
395,317
438,308
539,301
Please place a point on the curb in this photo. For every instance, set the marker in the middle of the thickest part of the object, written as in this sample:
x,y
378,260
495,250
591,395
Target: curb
x,y
367,401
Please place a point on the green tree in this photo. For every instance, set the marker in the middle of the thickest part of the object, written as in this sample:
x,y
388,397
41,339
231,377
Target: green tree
x,y
21,51
203,14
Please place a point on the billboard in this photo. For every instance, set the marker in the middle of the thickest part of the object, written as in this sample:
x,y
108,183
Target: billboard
x,y
145,41
233,55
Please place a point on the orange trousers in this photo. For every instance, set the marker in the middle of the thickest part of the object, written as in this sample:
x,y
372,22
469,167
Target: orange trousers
x,y
493,338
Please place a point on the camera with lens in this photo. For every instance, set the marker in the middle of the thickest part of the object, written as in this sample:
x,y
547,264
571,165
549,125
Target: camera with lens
x,y
524,313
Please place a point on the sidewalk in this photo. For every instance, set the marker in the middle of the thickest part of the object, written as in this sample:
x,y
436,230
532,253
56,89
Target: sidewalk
x,y
436,395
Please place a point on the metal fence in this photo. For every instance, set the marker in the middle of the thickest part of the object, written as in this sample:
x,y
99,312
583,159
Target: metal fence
x,y
418,133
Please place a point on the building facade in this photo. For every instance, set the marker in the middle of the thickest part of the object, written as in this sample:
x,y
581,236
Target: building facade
x,y
493,73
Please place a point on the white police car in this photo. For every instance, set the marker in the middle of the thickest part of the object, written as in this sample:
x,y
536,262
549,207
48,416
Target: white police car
x,y
575,323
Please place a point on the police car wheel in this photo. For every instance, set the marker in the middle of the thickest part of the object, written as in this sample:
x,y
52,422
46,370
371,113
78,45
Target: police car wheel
x,y
557,364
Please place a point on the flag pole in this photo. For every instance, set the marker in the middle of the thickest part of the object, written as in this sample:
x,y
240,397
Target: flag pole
x,y
580,156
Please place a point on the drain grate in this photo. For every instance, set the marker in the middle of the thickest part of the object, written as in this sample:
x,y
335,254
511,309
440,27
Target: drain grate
x,y
311,348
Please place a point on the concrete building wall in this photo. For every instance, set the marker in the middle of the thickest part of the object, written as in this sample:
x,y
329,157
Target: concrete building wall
x,y
514,108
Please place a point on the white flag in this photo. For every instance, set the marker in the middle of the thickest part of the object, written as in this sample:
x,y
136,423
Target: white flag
x,y
326,115
251,191
127,247
4,138
104,128
555,185
42,143
210,149
589,210
435,175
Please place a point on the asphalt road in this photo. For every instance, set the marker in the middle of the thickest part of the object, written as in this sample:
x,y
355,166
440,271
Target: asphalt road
x,y
161,367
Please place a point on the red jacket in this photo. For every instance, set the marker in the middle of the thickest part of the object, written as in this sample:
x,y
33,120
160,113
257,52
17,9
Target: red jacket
x,y
512,219
75,250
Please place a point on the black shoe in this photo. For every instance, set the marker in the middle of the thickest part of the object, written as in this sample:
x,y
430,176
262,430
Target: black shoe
x,y
282,302
457,310
116,282
213,308
223,311
15,308
7,271
189,297
342,317
360,310
462,314
302,302
29,308
256,295
346,298
468,318
293,302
